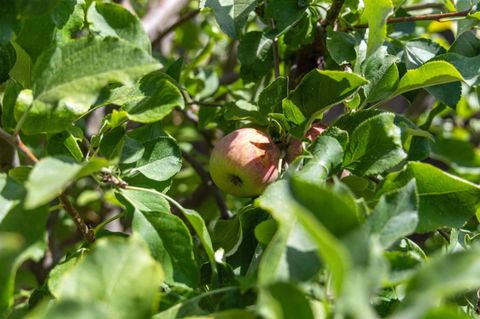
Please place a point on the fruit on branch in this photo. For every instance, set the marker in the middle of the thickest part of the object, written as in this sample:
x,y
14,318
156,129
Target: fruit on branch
x,y
244,162
296,147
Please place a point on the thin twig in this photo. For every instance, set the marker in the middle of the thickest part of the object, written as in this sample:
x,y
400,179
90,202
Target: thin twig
x,y
441,17
77,218
445,235
205,177
87,233
7,137
176,24
25,150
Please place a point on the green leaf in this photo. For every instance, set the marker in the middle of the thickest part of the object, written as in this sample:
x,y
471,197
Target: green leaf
x,y
270,99
118,274
461,155
349,122
12,90
231,15
145,201
467,66
45,183
326,159
166,235
227,234
110,19
7,21
28,227
446,312
36,34
321,89
375,146
420,51
152,154
281,203
241,110
73,309
334,208
376,13
285,13
445,275
7,60
291,255
11,246
10,194
292,113
153,98
283,300
200,228
467,44
396,215
64,144
429,74
255,55
68,78
382,73
445,200
170,243
341,47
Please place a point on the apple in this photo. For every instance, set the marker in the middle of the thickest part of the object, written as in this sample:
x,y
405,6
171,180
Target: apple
x,y
244,162
295,148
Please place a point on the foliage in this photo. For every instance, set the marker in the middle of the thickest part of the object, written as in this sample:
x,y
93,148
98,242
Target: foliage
x,y
107,209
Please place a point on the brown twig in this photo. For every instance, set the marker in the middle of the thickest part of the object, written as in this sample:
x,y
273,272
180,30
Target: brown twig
x,y
176,24
441,17
205,177
77,218
444,234
87,233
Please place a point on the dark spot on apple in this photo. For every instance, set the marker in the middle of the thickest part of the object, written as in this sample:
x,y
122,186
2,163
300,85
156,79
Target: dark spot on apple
x,y
237,181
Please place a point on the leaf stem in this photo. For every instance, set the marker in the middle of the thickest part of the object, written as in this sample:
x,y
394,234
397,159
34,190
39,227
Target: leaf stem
x,y
105,222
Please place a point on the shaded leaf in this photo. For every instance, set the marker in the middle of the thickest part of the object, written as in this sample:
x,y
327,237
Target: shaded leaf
x,y
45,183
231,15
281,203
110,19
396,215
321,89
150,100
119,274
375,146
445,200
